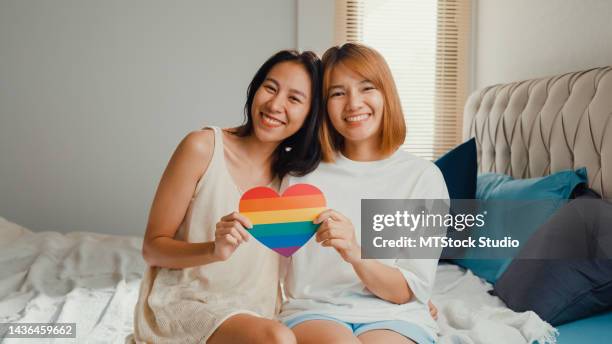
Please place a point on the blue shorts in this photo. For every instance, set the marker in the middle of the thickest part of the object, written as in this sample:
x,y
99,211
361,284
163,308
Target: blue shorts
x,y
406,329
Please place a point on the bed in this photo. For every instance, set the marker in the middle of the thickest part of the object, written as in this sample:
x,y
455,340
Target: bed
x,y
525,129
84,278
536,127
93,280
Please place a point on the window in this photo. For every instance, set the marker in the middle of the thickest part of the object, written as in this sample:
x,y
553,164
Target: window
x,y
425,43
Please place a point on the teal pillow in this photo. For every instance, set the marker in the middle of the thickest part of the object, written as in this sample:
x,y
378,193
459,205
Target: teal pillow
x,y
555,188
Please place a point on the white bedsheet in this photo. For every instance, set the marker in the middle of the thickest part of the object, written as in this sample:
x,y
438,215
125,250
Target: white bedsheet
x,y
86,278
468,314
93,280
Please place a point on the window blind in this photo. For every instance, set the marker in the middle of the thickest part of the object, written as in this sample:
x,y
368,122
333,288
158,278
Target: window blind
x,y
426,45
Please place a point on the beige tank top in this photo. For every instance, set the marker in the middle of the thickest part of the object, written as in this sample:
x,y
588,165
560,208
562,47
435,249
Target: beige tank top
x,y
187,305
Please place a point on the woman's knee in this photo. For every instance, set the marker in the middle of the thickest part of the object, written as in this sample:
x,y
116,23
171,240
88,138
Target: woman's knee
x,y
324,331
276,333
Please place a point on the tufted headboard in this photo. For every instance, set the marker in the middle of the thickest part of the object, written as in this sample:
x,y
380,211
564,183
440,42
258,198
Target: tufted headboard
x,y
536,127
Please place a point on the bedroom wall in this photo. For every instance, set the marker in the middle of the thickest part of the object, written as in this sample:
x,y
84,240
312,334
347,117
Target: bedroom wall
x,y
315,25
524,39
95,96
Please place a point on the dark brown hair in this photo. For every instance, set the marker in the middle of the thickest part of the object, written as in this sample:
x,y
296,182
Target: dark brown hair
x,y
300,153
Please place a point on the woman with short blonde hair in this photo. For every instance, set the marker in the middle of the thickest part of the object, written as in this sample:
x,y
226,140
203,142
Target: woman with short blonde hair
x,y
371,66
333,294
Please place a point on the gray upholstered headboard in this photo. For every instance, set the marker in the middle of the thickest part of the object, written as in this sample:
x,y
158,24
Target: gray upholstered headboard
x,y
535,127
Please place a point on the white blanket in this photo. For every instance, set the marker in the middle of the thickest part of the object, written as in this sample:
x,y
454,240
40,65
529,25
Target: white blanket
x,y
85,278
468,314
93,280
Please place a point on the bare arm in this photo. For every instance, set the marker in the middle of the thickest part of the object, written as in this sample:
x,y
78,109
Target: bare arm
x,y
382,280
386,282
170,204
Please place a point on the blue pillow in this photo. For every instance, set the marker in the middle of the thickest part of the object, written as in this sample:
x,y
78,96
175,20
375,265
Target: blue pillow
x,y
493,186
459,168
572,277
555,186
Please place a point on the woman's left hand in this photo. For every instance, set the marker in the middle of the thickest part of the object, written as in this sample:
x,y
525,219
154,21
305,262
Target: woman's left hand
x,y
337,231
433,310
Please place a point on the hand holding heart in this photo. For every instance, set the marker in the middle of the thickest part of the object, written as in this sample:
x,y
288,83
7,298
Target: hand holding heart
x,y
229,234
337,231
283,223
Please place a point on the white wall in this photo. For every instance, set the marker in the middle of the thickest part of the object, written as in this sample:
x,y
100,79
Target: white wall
x,y
315,29
95,96
524,39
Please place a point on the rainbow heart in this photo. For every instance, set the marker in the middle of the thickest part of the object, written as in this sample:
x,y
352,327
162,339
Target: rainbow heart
x,y
283,223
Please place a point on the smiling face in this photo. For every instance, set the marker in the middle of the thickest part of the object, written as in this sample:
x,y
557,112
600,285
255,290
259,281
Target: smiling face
x,y
364,112
355,106
282,102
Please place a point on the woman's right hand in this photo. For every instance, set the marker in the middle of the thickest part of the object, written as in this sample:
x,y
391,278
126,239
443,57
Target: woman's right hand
x,y
230,233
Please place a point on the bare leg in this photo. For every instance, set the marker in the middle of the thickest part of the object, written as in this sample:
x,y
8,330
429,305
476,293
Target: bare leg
x,y
383,336
323,331
245,328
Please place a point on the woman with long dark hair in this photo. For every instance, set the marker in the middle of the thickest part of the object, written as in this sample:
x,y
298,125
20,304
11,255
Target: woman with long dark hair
x,y
206,281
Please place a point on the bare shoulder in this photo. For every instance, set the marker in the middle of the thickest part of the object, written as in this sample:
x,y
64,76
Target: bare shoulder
x,y
199,141
188,163
195,151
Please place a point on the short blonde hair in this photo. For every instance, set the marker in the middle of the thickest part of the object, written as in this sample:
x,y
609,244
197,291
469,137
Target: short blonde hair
x,y
369,64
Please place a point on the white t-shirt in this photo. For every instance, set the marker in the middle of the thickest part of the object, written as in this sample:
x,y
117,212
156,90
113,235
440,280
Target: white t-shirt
x,y
319,281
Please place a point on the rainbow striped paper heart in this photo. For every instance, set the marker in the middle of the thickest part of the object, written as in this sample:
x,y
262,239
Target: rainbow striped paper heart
x,y
283,223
